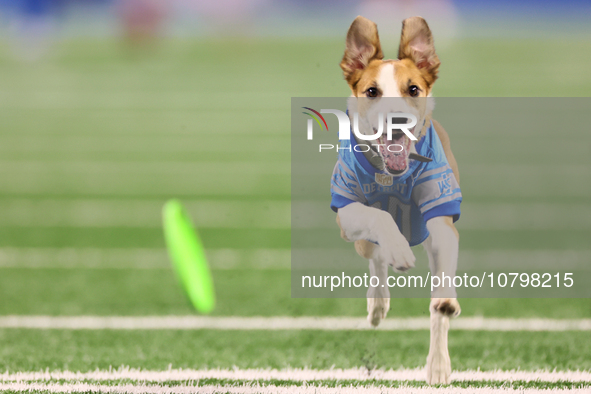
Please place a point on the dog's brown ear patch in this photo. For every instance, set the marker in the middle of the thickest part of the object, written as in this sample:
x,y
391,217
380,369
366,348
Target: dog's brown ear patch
x,y
416,44
362,46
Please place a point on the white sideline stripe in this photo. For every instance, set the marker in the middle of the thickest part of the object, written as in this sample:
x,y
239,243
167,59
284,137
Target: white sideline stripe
x,y
282,323
290,374
271,389
294,374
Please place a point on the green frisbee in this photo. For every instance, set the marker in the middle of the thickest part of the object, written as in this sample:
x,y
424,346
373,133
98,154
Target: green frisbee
x,y
188,257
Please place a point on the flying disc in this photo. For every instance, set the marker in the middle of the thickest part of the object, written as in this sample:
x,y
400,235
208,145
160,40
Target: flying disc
x,y
188,257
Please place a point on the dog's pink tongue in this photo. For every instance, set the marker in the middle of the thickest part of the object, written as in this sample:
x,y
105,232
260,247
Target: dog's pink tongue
x,y
393,153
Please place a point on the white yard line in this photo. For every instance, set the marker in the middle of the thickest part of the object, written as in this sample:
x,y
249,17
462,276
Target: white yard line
x,y
294,374
247,389
149,381
282,323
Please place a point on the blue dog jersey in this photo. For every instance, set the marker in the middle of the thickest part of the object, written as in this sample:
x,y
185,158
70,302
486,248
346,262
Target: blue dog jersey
x,y
425,191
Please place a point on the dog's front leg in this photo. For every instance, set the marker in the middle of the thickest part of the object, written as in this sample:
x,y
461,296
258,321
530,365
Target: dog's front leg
x,y
360,222
365,225
442,249
378,298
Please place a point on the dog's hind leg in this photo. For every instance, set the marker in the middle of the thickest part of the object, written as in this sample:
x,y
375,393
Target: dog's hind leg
x,y
438,361
442,250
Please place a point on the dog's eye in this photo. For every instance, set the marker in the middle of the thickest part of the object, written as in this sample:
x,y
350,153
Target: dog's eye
x,y
371,92
413,90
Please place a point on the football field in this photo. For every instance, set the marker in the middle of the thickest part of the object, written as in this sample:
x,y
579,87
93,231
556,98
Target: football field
x,y
96,138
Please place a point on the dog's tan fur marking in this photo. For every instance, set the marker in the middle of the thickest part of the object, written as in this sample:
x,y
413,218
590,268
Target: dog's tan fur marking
x,y
444,137
343,235
367,78
449,220
364,248
408,74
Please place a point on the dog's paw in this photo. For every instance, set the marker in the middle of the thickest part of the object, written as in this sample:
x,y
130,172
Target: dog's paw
x,y
446,306
438,367
397,254
377,309
395,251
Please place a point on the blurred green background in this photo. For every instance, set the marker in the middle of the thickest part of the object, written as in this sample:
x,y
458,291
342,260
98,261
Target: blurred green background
x,y
95,139
99,130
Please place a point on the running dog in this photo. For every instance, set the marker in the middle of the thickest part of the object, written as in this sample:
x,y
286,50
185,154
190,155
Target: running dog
x,y
402,191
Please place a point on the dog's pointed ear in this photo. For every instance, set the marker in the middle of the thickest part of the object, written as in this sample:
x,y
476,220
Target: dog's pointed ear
x,y
416,44
362,46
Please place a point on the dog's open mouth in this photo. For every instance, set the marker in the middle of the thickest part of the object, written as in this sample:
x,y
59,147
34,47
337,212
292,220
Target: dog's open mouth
x,y
395,152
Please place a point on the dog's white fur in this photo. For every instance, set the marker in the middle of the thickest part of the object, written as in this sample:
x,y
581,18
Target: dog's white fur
x,y
390,87
360,223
